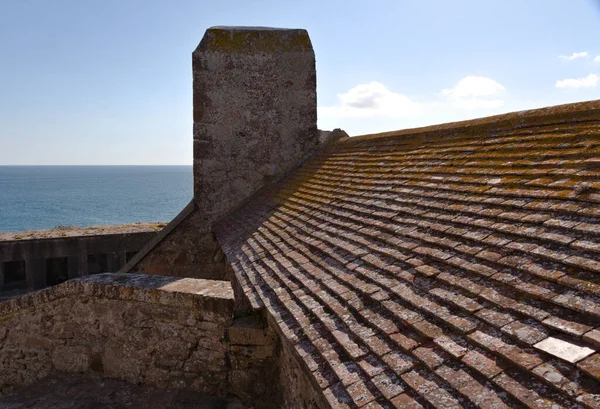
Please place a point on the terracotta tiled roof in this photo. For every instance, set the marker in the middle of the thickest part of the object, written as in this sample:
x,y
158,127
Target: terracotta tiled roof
x,y
449,266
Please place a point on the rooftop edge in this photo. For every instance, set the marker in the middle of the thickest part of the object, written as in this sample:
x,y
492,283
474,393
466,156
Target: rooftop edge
x,y
556,114
254,40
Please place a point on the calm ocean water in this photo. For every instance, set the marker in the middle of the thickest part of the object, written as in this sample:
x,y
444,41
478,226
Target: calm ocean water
x,y
42,197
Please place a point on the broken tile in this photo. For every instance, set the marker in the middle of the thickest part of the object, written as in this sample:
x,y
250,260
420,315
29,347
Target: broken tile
x,y
563,349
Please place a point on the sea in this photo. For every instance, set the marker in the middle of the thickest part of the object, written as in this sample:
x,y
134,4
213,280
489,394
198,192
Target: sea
x,y
45,197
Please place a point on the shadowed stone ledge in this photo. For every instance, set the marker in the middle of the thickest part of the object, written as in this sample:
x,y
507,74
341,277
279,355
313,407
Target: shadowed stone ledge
x,y
66,391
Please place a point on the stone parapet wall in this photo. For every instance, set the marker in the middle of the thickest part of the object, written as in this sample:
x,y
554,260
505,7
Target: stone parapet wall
x,y
39,259
60,232
157,331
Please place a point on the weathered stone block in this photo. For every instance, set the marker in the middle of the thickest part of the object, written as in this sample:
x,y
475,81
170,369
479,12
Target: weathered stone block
x,y
251,331
187,317
173,348
247,384
156,377
247,356
71,358
207,326
33,341
214,342
121,362
213,382
204,359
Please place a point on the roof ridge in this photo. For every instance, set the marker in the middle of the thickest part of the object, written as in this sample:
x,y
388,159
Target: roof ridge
x,y
585,111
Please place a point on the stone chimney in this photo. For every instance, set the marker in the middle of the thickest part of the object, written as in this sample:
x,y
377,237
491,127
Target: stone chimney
x,y
255,112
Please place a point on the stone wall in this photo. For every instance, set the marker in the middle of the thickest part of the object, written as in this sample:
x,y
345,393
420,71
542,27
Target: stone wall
x,y
185,252
298,389
297,386
254,358
157,331
38,262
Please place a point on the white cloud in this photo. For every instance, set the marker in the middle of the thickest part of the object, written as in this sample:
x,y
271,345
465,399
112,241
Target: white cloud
x,y
475,92
588,82
372,99
472,86
597,59
574,56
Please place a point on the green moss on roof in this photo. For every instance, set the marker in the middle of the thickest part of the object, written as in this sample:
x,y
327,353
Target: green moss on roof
x,y
254,40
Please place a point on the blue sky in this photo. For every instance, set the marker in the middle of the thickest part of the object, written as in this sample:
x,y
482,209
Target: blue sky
x,y
109,82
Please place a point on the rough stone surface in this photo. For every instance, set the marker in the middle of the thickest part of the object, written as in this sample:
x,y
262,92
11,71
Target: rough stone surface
x,y
297,387
157,331
254,361
185,252
36,248
68,391
255,112
250,330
